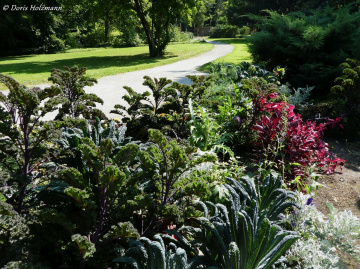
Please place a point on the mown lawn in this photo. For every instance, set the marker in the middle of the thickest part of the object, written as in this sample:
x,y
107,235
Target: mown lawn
x,y
239,54
35,69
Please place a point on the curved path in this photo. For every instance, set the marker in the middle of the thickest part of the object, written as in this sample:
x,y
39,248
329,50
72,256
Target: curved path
x,y
110,88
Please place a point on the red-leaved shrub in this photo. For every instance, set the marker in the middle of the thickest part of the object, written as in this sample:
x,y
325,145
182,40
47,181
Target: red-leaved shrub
x,y
287,139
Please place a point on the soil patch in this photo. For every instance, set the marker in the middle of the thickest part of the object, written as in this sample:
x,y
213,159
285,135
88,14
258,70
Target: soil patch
x,y
342,189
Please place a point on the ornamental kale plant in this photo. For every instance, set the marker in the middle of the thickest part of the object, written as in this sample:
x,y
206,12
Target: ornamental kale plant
x,y
90,206
239,235
23,137
167,108
154,253
285,138
166,175
140,104
73,99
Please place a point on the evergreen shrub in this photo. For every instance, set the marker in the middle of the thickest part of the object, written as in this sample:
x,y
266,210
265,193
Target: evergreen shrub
x,y
311,46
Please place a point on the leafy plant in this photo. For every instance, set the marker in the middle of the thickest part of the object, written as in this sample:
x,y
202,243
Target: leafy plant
x,y
167,166
168,107
285,139
154,254
240,71
160,93
347,93
70,137
134,102
321,235
272,199
311,45
73,98
239,235
99,196
296,97
206,133
23,136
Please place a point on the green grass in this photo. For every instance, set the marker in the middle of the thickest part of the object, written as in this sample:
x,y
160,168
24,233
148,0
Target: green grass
x,y
35,69
239,54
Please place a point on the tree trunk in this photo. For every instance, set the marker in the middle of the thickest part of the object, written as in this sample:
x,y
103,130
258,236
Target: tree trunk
x,y
107,28
153,48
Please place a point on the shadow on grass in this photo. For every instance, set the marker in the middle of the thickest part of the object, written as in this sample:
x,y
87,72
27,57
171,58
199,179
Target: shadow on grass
x,y
92,62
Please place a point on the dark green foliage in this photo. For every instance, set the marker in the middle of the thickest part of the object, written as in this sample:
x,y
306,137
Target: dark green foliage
x,y
52,44
237,10
25,29
23,137
245,30
240,235
161,96
71,137
347,94
167,168
199,85
73,99
348,86
310,45
167,109
155,254
146,254
272,199
135,106
144,112
97,200
156,18
225,31
160,93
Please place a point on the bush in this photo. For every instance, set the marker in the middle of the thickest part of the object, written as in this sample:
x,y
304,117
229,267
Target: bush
x,y
129,38
94,38
228,31
347,94
310,46
73,40
286,140
245,30
178,36
53,44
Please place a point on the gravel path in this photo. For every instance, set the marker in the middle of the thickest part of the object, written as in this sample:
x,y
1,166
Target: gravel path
x,y
110,88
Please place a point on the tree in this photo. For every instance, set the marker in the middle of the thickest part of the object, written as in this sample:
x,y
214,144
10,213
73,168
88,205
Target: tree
x,y
156,17
202,12
28,29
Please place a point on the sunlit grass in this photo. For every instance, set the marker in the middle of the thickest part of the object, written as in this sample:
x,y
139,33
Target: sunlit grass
x,y
239,54
35,69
